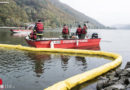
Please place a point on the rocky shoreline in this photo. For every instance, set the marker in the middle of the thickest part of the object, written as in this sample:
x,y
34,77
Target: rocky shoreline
x,y
115,80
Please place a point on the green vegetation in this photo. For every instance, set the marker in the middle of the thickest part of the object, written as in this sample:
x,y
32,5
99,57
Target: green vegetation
x,y
12,14
19,12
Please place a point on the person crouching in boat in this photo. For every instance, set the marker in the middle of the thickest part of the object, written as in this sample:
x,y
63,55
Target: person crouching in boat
x,y
33,35
39,27
78,31
84,32
65,32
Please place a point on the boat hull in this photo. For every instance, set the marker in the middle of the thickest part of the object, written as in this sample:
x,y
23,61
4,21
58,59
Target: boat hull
x,y
74,43
20,31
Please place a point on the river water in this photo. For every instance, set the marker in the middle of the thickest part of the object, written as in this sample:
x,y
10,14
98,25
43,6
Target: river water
x,y
25,70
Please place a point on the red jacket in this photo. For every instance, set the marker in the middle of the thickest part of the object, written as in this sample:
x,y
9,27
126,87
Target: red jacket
x,y
39,26
84,30
33,35
79,30
65,30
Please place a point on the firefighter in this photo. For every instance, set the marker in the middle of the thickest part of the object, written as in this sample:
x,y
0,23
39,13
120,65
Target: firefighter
x,y
65,32
33,35
78,31
84,32
39,27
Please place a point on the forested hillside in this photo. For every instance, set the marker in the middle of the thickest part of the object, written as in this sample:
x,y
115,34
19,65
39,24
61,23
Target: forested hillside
x,y
52,12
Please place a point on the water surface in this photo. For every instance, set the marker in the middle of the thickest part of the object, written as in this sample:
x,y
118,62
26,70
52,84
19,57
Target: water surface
x,y
27,70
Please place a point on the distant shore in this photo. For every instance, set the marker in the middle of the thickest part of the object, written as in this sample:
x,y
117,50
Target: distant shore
x,y
9,27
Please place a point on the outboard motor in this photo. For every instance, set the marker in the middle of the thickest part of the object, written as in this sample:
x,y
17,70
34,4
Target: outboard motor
x,y
95,35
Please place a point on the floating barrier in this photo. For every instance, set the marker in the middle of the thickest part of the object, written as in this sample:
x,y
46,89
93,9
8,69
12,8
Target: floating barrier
x,y
80,78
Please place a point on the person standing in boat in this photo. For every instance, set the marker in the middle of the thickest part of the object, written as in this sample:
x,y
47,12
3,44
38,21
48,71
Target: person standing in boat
x,y
39,27
78,31
65,32
33,35
84,32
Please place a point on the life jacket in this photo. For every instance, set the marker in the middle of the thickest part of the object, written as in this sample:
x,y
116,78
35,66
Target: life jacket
x,y
1,81
79,30
33,35
65,30
84,30
39,26
1,84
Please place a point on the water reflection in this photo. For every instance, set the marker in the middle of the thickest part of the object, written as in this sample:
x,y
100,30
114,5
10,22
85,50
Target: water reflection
x,y
39,59
95,47
64,61
81,61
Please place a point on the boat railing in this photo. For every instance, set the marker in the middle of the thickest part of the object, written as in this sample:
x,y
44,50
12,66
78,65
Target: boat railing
x,y
39,39
51,38
46,39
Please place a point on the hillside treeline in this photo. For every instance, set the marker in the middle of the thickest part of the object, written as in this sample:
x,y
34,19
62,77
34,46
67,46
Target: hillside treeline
x,y
19,12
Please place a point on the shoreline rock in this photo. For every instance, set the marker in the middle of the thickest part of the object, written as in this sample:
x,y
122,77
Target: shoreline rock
x,y
116,80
